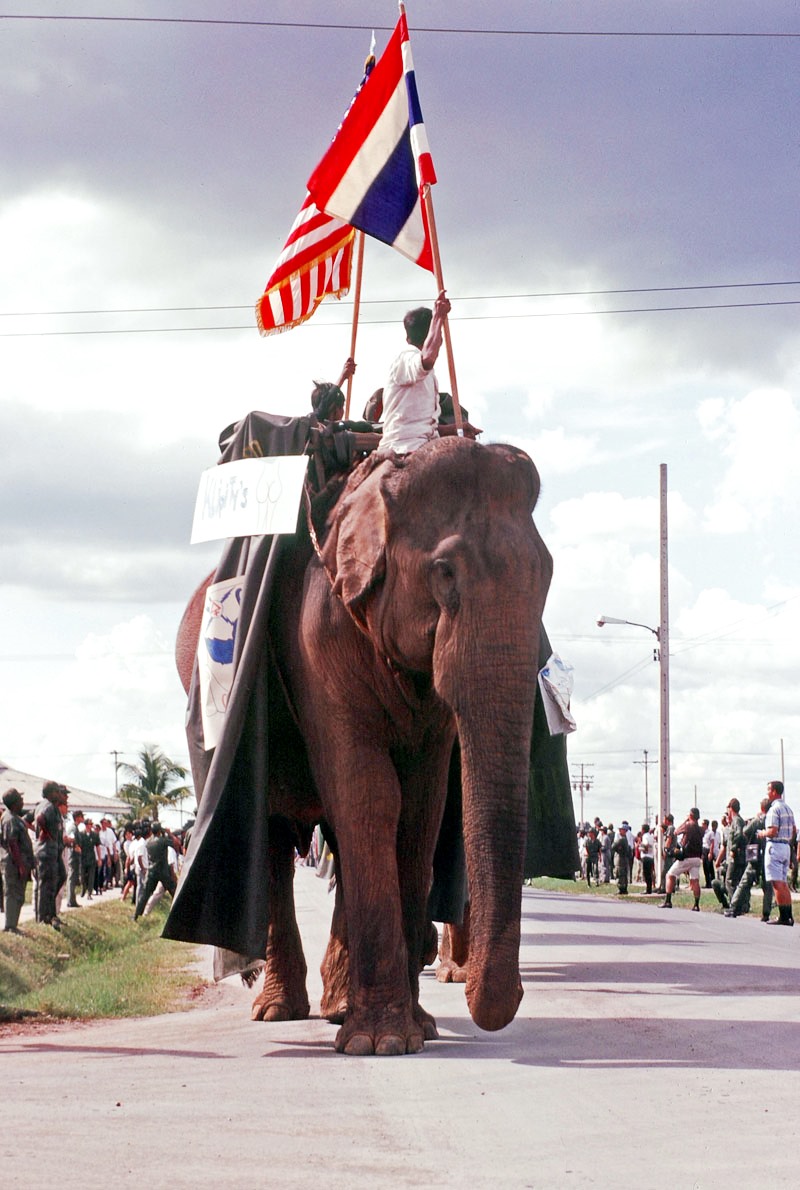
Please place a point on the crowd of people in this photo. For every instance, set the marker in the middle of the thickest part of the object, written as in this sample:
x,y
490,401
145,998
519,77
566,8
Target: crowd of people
x,y
67,855
731,856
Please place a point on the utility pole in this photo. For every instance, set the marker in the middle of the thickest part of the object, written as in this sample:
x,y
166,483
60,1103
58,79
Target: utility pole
x,y
116,754
583,785
663,649
646,764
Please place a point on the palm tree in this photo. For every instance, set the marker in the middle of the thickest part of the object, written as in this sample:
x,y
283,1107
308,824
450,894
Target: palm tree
x,y
150,785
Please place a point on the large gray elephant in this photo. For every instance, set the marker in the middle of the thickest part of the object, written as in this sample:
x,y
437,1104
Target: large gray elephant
x,y
415,618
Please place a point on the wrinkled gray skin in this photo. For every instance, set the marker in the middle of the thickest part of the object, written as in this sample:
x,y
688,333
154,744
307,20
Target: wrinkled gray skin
x,y
421,619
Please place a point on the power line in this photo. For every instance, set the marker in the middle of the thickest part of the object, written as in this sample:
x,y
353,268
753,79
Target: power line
x,y
169,330
253,24
486,297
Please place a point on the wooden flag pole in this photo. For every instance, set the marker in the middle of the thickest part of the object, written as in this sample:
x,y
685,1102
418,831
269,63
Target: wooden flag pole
x,y
356,307
437,265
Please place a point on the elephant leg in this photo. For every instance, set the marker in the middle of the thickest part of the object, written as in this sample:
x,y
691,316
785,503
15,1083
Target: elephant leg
x,y
454,952
431,946
335,969
420,819
283,995
364,804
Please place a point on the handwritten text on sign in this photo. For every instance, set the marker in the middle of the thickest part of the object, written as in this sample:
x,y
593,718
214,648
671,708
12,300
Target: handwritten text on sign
x,y
249,496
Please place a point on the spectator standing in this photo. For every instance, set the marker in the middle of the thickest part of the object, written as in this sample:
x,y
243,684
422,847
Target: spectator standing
x,y
647,851
622,852
48,821
73,841
754,854
708,852
89,850
158,869
690,861
16,858
668,845
732,858
592,857
778,832
606,857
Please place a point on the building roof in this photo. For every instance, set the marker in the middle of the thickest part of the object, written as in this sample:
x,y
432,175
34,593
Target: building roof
x,y
94,804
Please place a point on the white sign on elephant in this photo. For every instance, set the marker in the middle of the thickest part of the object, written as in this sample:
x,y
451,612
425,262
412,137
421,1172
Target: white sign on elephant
x,y
555,683
248,497
215,651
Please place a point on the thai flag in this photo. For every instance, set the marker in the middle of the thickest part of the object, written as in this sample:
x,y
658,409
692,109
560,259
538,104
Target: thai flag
x,y
315,263
373,174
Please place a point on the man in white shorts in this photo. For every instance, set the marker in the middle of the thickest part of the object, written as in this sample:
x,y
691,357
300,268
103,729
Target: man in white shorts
x,y
778,833
691,833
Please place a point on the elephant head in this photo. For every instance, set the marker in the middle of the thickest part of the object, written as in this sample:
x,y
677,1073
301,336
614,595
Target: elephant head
x,y
439,563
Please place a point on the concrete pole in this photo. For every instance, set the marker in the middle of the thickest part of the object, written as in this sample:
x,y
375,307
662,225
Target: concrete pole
x,y
663,641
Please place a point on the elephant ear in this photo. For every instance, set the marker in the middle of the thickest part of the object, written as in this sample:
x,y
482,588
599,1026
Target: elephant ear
x,y
354,553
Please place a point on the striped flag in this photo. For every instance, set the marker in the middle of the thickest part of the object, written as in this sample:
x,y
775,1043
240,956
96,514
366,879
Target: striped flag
x,y
374,172
315,263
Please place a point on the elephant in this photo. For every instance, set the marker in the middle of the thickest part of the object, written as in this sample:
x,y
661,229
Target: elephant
x,y
408,617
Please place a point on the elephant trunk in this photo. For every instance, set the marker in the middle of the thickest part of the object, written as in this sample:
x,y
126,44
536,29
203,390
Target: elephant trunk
x,y
495,759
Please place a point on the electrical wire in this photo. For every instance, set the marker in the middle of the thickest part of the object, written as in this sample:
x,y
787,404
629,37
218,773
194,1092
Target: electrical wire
x,y
162,330
450,30
486,297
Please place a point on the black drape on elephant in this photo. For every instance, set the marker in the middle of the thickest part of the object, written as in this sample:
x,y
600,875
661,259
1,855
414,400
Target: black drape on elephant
x,y
551,847
552,844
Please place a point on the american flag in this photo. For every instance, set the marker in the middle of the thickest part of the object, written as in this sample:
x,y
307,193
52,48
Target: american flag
x,y
374,172
314,264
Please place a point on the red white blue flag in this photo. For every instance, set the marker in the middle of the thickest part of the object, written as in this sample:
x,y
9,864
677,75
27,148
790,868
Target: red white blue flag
x,y
374,172
315,263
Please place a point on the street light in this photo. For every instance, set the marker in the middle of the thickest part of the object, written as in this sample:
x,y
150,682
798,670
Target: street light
x,y
662,636
663,660
634,623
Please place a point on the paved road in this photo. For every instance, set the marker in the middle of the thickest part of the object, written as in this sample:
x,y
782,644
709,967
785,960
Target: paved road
x,y
665,1042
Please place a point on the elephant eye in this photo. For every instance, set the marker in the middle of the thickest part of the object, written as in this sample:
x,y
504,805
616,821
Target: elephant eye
x,y
444,569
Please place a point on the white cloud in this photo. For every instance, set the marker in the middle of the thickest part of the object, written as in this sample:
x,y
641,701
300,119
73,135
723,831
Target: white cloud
x,y
759,439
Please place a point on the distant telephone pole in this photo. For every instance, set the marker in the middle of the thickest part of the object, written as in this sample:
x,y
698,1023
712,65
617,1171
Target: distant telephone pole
x,y
646,764
583,785
116,754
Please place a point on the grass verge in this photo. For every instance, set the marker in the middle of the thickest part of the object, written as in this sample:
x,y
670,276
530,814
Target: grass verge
x,y
101,964
683,898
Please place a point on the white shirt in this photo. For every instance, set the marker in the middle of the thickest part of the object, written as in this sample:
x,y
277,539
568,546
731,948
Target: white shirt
x,y
138,847
410,404
108,841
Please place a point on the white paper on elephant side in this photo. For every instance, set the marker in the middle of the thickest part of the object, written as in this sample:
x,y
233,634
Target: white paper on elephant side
x,y
555,683
249,497
215,650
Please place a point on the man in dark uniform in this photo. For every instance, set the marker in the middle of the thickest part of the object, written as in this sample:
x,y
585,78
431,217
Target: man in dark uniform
x,y
90,841
732,859
592,857
49,826
72,839
16,857
158,869
622,851
754,854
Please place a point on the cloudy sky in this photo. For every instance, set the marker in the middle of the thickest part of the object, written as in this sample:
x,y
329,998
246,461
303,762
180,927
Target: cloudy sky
x,y
618,211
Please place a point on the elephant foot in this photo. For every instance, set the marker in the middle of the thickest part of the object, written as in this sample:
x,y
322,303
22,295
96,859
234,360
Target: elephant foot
x,y
390,1036
427,1023
450,972
276,1003
335,972
333,1010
